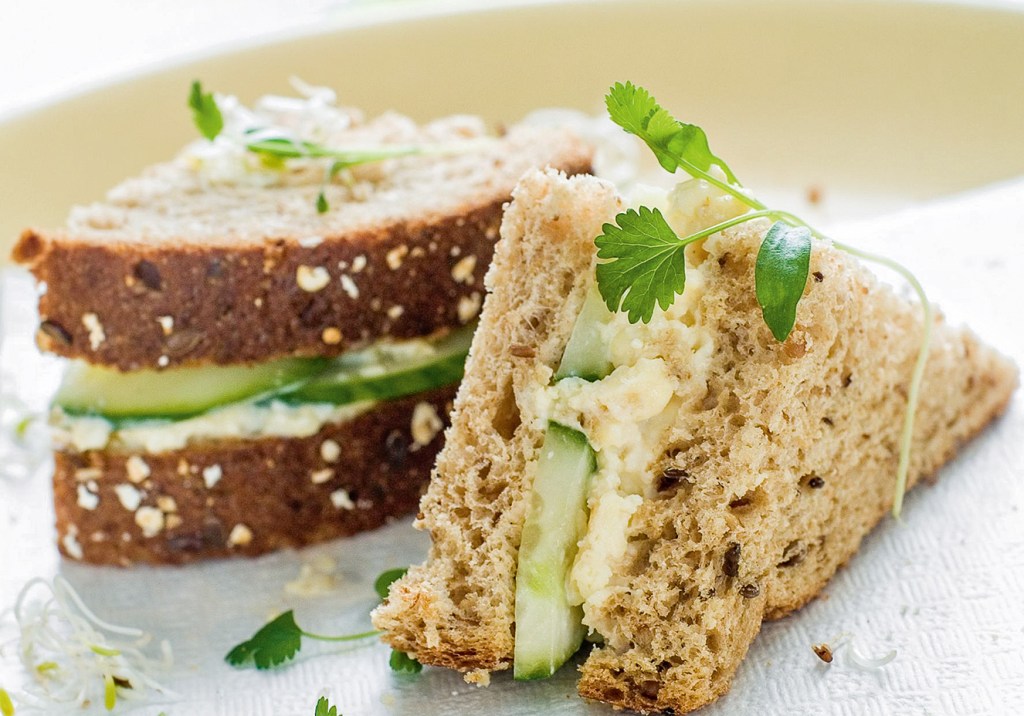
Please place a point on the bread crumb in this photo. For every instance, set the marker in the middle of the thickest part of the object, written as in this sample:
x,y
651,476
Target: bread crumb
x,y
469,306
330,450
129,496
212,475
396,256
341,500
137,469
312,278
166,324
480,677
349,286
462,272
315,578
87,500
96,333
358,263
319,477
426,423
150,520
240,536
331,336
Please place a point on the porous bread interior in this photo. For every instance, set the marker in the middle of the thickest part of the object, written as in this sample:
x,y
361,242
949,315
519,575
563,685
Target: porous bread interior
x,y
172,203
457,609
789,461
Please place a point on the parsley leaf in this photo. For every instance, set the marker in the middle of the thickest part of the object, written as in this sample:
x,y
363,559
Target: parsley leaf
x,y
385,580
402,663
277,642
674,143
324,708
780,275
205,112
648,266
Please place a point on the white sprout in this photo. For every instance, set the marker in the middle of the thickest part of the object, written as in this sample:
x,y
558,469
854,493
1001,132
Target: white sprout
x,y
76,658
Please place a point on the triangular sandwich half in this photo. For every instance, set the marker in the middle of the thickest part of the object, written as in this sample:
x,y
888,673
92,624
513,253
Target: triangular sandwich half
x,y
732,473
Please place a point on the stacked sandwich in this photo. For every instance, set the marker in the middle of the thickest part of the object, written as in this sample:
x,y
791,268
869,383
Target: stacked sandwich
x,y
661,478
266,332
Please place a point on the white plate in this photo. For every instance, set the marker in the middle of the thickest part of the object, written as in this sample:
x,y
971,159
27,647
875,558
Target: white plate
x,y
879,105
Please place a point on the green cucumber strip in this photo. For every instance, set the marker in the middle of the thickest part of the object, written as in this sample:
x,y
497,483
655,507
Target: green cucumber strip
x,y
386,376
176,393
549,630
379,372
586,353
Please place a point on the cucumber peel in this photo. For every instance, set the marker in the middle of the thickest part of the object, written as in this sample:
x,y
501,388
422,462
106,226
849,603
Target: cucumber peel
x,y
380,372
549,630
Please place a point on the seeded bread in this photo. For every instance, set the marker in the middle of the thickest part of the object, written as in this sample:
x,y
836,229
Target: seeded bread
x,y
246,497
767,483
194,271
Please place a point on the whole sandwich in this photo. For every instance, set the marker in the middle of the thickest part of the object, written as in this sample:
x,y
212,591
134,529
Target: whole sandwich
x,y
266,333
677,420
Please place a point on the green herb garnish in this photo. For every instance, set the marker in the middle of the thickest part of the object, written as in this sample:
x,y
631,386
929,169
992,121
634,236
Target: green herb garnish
x,y
644,260
324,708
280,639
402,663
205,112
386,579
274,151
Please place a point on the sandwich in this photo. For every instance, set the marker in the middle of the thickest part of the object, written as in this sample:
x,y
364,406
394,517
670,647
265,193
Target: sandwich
x,y
660,486
265,334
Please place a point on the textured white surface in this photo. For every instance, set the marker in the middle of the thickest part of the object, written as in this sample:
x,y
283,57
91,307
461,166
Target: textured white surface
x,y
944,588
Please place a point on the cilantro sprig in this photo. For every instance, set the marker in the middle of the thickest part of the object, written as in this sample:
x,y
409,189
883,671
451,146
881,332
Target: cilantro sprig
x,y
643,260
279,640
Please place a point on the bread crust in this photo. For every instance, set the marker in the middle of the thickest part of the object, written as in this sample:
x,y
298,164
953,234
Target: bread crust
x,y
284,492
254,297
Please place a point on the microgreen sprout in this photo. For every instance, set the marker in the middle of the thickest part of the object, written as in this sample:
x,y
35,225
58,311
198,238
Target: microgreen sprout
x,y
74,656
643,260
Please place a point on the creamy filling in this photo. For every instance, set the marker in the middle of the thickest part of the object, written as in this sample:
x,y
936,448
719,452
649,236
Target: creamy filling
x,y
252,418
659,369
247,420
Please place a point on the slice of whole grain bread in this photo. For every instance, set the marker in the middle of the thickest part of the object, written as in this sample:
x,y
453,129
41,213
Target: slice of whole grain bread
x,y
766,482
175,269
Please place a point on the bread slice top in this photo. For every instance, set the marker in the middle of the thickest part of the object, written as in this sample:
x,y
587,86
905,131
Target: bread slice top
x,y
218,195
776,460
246,273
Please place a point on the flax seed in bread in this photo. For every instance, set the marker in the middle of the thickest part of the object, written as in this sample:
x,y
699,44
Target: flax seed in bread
x,y
777,460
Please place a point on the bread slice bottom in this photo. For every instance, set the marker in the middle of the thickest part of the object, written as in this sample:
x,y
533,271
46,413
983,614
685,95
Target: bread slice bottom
x,y
245,497
765,482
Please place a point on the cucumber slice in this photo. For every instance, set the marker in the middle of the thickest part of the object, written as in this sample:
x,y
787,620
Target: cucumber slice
x,y
379,372
586,353
549,630
384,373
175,393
